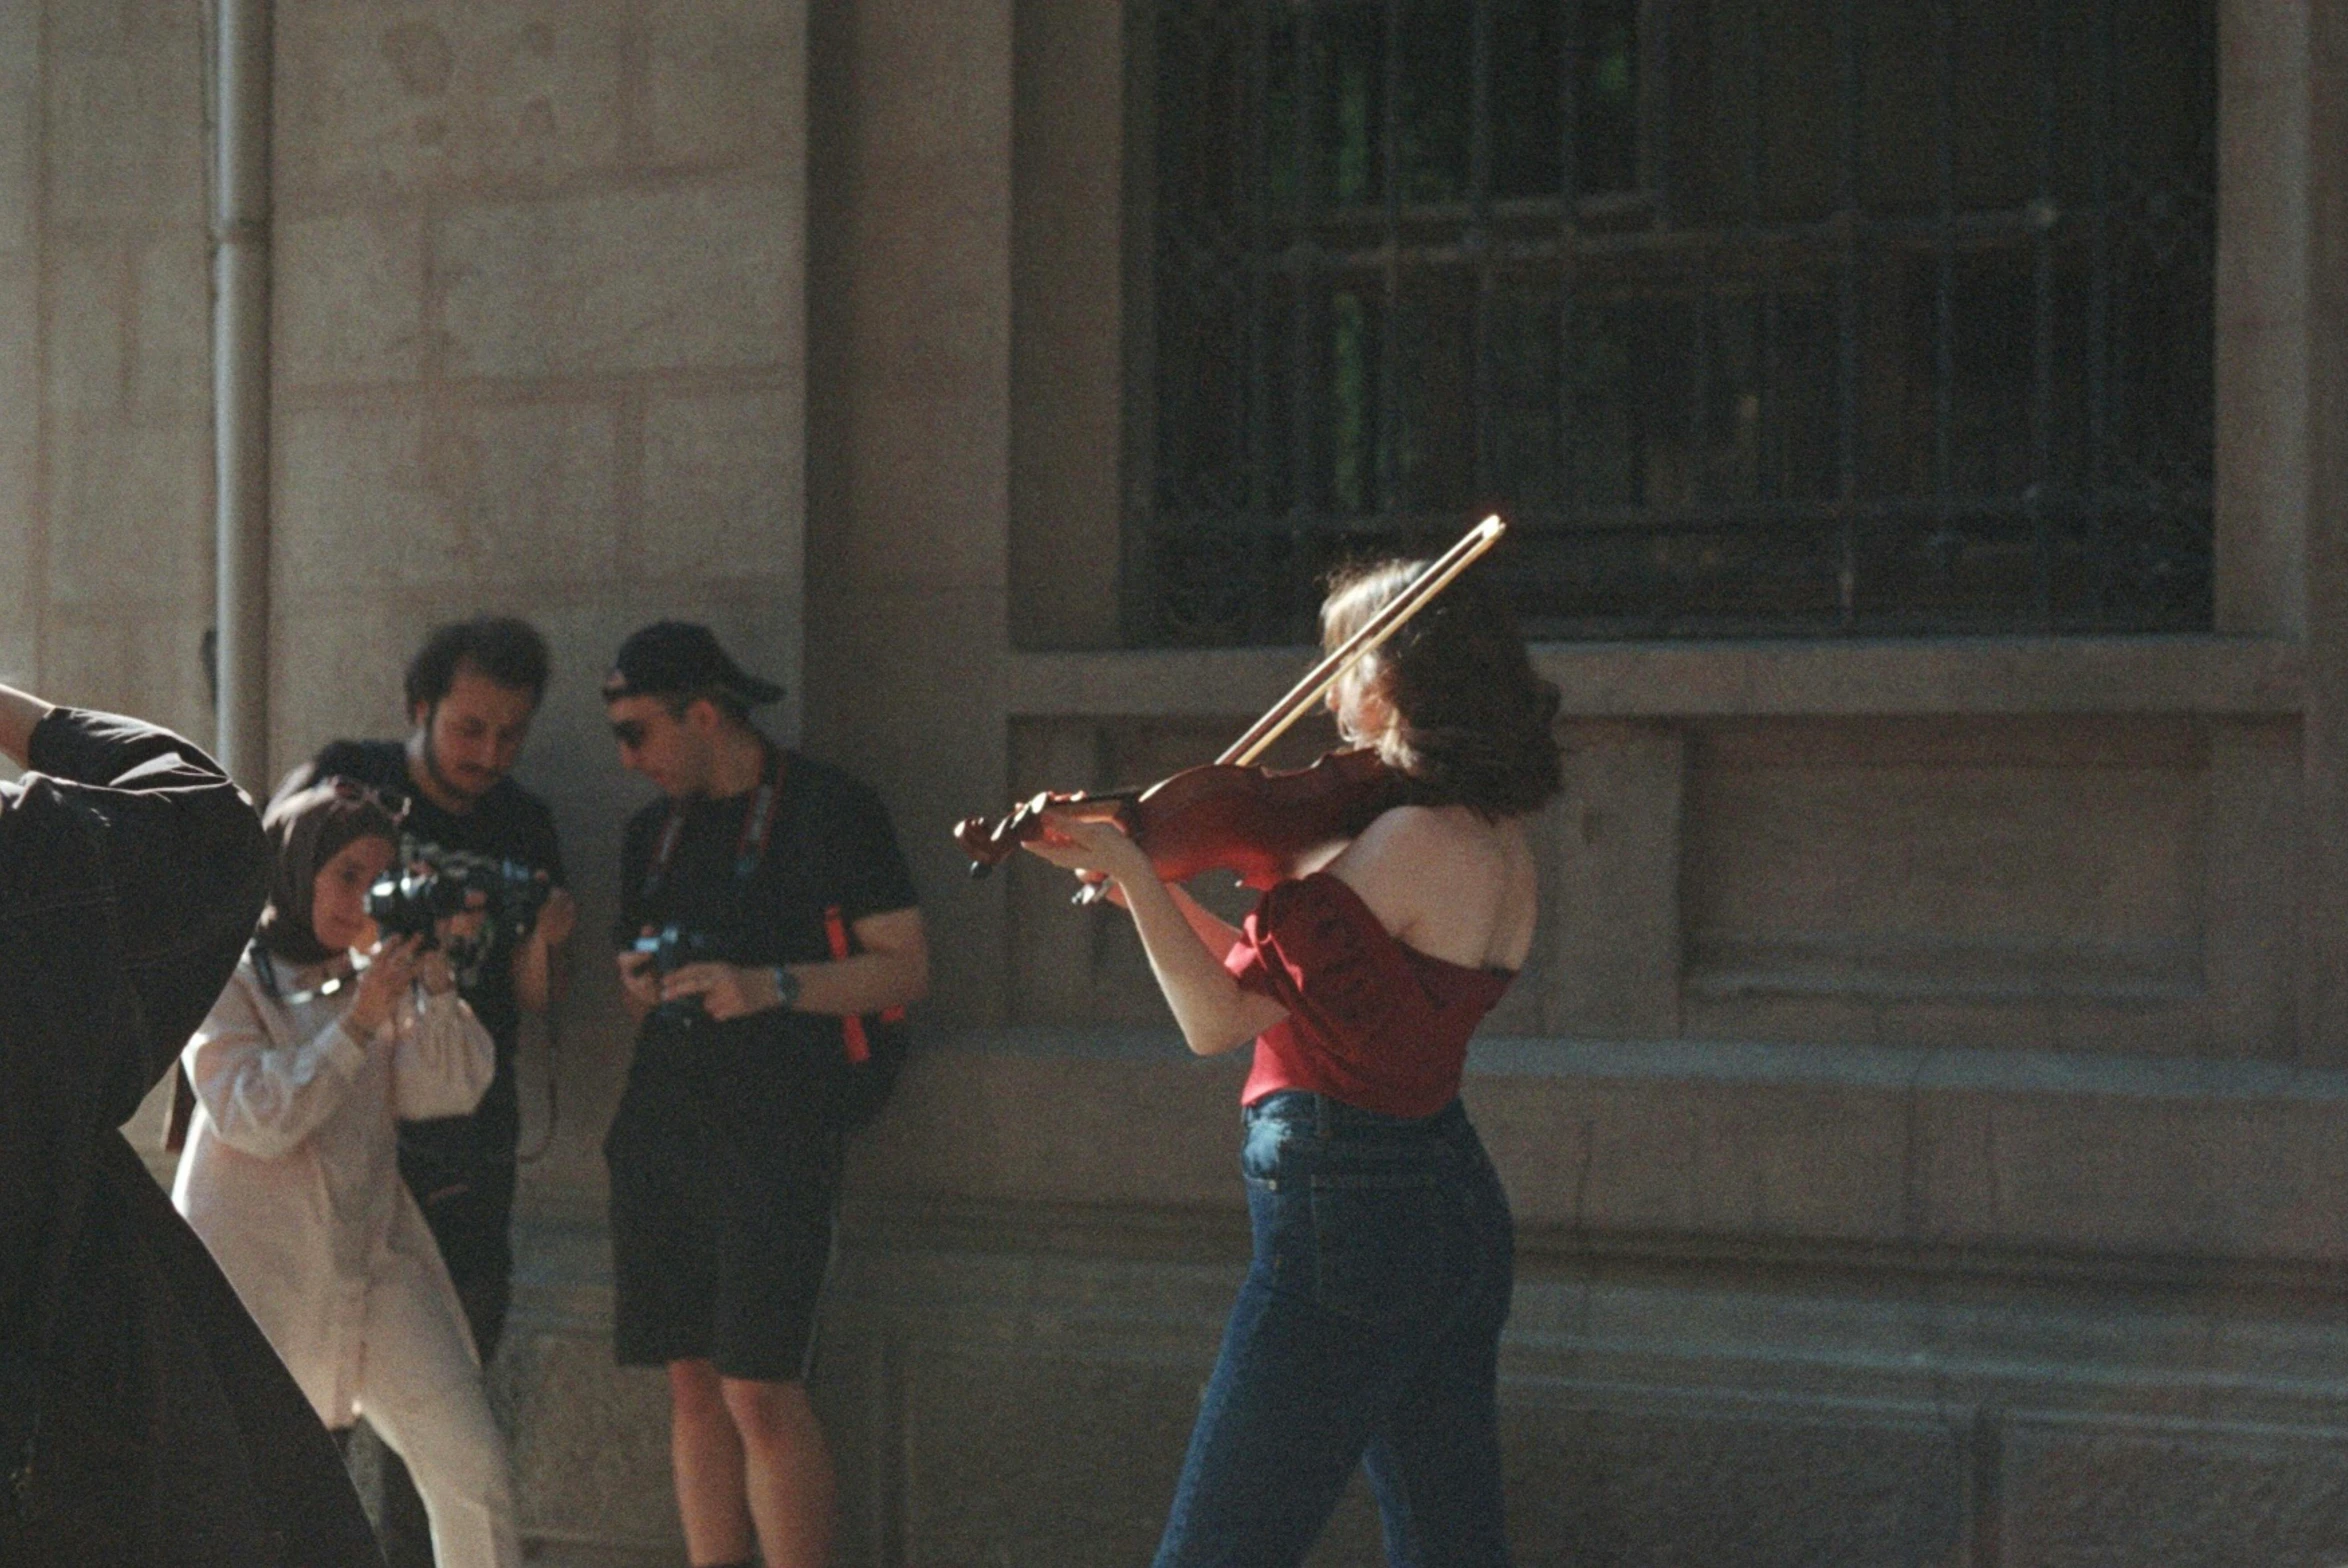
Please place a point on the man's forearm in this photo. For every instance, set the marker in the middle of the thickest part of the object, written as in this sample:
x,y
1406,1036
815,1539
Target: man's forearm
x,y
538,968
862,983
537,978
20,714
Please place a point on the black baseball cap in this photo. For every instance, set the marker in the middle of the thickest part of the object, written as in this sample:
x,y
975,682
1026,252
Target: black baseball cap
x,y
678,659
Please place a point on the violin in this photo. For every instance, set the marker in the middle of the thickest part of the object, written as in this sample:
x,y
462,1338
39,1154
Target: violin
x,y
1253,822
1230,814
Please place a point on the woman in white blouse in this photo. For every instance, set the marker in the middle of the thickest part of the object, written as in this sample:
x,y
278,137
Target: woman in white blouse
x,y
291,1174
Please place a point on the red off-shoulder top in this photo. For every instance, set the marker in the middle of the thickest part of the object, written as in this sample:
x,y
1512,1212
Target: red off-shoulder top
x,y
1371,1021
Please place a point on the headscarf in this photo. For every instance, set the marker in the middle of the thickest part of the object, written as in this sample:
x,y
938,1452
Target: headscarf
x,y
309,823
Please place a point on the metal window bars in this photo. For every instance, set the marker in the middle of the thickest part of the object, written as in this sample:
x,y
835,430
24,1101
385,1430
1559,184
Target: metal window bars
x,y
1757,317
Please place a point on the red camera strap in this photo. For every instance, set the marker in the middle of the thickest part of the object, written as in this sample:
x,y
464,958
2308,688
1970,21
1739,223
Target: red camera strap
x,y
853,1039
758,826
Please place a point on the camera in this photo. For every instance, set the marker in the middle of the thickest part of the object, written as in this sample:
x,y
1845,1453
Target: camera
x,y
672,947
435,884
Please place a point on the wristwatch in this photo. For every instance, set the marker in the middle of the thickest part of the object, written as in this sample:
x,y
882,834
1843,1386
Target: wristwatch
x,y
786,988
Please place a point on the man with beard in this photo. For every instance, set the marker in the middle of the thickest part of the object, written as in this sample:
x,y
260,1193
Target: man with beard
x,y
471,692
143,1418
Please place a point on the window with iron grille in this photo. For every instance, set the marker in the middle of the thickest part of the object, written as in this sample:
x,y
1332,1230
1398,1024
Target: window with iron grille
x,y
1755,317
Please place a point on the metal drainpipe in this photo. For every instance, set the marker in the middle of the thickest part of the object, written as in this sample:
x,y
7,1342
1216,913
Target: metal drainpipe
x,y
240,383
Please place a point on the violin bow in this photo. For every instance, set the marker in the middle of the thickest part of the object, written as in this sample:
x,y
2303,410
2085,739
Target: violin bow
x,y
1307,693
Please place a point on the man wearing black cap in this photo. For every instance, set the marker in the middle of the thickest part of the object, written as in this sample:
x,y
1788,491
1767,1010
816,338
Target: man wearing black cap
x,y
737,891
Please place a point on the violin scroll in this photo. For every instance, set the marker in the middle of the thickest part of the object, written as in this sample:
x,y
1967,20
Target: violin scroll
x,y
989,844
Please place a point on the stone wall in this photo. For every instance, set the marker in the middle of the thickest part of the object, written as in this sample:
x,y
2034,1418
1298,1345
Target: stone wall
x,y
1920,1113
540,348
1916,1116
105,370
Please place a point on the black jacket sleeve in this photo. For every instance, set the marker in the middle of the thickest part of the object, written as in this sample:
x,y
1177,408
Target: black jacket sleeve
x,y
181,855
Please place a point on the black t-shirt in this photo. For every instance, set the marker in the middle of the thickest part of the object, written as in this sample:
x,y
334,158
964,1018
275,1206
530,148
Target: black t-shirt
x,y
507,823
831,848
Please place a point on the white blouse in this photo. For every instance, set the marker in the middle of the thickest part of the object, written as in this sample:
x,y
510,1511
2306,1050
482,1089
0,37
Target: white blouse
x,y
291,1173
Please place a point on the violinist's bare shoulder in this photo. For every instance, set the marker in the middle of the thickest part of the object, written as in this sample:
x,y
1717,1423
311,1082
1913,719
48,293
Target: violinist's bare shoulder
x,y
1443,879
1451,839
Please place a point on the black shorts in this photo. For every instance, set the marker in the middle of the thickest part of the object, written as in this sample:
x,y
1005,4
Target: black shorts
x,y
721,1226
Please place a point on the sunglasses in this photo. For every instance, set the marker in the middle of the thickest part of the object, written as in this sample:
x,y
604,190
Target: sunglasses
x,y
391,802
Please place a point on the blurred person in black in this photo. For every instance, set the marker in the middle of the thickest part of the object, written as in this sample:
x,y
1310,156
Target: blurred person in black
x,y
775,903
472,690
143,1417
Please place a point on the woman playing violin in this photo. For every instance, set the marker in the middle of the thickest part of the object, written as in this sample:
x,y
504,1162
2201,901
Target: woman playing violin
x,y
1368,1327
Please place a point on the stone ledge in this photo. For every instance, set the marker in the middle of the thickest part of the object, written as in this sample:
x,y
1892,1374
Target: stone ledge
x,y
2187,1165
1731,1061
2009,1165
563,1257
2207,675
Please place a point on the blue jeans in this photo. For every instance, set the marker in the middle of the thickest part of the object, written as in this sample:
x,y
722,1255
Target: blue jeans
x,y
1367,1332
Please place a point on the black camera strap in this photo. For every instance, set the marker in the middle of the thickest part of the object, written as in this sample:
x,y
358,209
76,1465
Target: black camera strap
x,y
758,826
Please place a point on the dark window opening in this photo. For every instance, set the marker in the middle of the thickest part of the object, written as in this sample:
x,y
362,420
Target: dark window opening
x,y
1756,317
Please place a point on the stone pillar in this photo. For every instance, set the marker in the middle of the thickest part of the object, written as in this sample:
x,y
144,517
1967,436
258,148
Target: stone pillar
x,y
907,588
2324,1032
23,545
105,444
540,350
